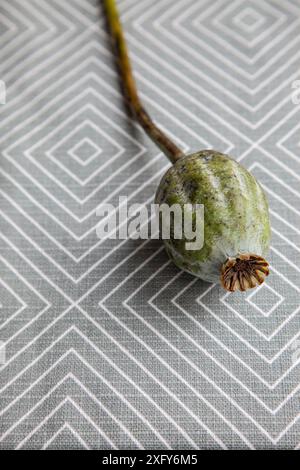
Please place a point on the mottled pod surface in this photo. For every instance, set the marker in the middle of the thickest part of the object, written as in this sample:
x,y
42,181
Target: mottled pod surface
x,y
236,214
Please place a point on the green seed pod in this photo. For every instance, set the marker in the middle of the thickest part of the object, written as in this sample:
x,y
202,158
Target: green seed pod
x,y
236,219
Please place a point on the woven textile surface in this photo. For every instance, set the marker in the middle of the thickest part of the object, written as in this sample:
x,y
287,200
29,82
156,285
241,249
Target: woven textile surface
x,y
107,344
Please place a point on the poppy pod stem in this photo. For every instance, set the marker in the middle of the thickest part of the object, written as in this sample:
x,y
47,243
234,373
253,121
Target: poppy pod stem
x,y
168,147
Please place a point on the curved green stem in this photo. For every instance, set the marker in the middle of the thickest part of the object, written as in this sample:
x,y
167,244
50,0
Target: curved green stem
x,y
169,148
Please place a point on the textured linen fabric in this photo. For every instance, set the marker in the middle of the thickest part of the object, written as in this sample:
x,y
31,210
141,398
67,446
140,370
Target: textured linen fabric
x,y
107,344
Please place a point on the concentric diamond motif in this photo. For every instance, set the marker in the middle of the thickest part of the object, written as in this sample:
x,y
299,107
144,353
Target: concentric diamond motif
x,y
265,299
249,20
85,151
77,155
244,27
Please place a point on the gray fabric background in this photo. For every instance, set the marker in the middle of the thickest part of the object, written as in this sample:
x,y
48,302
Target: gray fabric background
x,y
108,345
